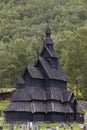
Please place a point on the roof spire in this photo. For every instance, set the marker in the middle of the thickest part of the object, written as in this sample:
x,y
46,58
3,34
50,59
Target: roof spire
x,y
48,31
48,40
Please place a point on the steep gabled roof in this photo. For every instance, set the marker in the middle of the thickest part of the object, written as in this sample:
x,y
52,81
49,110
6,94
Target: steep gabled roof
x,y
35,72
20,81
51,53
52,73
48,40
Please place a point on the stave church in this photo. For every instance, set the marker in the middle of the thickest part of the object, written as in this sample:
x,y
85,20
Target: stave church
x,y
41,92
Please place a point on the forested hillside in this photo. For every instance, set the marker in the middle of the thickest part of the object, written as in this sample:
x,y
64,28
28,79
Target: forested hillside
x,y
22,26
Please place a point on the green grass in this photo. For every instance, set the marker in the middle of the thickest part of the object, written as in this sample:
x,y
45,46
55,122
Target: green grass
x,y
75,125
85,113
43,126
3,104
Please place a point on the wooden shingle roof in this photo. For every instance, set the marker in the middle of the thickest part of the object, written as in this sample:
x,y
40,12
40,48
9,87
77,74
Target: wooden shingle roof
x,y
54,93
52,73
48,40
35,106
20,81
21,95
54,106
35,72
51,53
79,109
32,93
38,106
19,106
37,93
67,95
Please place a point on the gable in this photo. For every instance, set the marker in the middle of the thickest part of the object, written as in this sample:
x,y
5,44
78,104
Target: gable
x,y
67,96
46,52
52,73
33,72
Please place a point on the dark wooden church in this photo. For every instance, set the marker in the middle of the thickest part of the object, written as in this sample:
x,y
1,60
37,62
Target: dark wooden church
x,y
41,93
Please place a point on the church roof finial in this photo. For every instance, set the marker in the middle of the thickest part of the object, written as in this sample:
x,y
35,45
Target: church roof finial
x,y
48,39
48,31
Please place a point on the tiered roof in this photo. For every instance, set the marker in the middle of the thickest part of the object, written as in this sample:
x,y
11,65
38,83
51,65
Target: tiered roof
x,y
45,98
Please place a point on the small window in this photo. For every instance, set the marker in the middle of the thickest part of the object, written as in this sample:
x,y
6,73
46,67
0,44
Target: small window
x,y
54,63
49,60
50,47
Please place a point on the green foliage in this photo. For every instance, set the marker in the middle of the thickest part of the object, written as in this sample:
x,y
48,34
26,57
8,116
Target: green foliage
x,y
22,25
3,105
